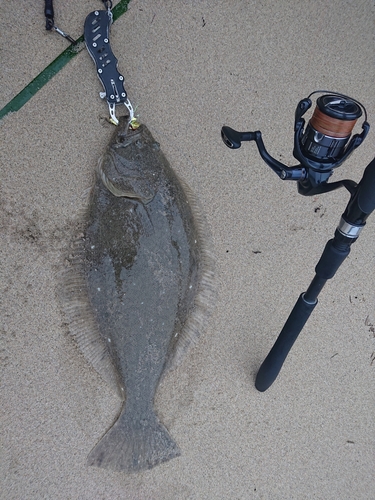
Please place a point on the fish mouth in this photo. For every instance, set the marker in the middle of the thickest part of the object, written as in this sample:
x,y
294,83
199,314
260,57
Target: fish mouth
x,y
125,134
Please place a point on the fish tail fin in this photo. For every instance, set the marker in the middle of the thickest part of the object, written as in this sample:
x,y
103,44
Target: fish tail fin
x,y
133,444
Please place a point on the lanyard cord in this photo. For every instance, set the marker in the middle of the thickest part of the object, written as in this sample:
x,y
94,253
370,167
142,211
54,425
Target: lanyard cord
x,y
48,12
50,22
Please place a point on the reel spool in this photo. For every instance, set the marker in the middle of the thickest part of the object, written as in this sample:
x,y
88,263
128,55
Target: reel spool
x,y
330,127
324,144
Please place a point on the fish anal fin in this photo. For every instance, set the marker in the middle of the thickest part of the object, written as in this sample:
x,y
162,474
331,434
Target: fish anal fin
x,y
82,323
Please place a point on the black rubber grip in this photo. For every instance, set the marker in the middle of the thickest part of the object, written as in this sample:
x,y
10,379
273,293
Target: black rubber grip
x,y
96,31
271,366
331,260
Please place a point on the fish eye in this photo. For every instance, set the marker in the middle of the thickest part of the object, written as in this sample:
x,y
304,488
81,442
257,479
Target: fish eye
x,y
121,139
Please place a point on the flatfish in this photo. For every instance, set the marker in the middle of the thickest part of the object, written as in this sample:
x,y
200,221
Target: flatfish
x,y
137,290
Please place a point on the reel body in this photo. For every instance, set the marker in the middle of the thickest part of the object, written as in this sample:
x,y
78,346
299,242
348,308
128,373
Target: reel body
x,y
322,146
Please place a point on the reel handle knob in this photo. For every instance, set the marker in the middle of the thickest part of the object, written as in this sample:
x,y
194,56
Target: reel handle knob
x,y
233,139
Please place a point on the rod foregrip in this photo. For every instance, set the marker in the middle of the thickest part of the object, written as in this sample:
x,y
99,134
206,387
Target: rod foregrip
x,y
332,258
271,366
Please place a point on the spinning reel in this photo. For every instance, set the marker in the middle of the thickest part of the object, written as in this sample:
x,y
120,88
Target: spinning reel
x,y
323,146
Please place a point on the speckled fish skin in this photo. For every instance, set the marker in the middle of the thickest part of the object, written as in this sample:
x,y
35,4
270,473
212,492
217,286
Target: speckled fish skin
x,y
149,282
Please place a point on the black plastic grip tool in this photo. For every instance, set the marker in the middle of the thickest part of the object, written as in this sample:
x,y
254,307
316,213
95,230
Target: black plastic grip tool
x,y
96,33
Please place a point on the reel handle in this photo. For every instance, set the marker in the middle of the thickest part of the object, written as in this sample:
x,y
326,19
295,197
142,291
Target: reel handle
x,y
233,139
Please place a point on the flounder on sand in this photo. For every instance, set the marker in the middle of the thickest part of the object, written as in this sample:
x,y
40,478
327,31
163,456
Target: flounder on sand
x,y
138,290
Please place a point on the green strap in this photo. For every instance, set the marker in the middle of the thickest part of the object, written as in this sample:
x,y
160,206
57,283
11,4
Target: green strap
x,y
45,76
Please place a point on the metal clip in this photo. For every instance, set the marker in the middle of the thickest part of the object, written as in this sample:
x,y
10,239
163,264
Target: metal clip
x,y
65,35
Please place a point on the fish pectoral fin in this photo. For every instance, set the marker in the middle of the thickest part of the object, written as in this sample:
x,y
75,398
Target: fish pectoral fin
x,y
133,444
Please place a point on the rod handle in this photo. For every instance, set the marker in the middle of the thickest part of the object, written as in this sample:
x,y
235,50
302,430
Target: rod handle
x,y
271,366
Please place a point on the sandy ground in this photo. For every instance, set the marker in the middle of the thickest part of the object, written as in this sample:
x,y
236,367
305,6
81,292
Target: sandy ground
x,y
190,67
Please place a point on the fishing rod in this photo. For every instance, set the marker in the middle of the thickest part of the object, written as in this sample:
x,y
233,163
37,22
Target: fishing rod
x,y
321,147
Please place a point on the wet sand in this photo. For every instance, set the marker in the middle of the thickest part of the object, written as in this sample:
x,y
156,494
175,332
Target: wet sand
x,y
191,67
